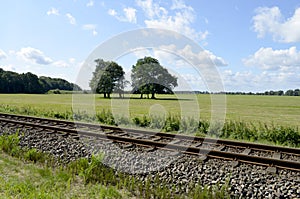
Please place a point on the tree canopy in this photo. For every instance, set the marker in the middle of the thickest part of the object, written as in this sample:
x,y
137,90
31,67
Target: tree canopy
x,y
149,77
107,76
11,82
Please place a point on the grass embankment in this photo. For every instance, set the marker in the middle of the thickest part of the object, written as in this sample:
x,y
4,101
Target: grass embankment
x,y
265,119
27,173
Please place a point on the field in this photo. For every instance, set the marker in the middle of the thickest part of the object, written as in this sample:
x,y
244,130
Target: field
x,y
271,110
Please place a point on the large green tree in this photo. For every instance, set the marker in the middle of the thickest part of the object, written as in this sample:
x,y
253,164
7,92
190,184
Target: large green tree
x,y
149,77
107,75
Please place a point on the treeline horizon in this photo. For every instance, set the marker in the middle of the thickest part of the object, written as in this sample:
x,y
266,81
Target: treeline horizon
x,y
290,92
29,83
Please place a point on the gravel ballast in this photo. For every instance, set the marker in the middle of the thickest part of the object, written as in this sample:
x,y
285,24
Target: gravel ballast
x,y
175,169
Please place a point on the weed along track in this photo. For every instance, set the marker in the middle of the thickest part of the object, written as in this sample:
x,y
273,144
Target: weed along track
x,y
266,155
252,170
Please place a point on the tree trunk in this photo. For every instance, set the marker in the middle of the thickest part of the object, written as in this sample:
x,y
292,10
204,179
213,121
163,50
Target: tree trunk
x,y
153,96
108,95
141,95
104,95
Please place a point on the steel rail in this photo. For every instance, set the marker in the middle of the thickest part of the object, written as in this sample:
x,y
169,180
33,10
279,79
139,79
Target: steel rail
x,y
275,162
251,145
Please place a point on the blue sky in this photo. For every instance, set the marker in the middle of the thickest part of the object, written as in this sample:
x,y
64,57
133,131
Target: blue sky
x,y
253,43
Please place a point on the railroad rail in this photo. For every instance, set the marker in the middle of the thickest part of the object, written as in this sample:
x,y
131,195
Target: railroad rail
x,y
271,156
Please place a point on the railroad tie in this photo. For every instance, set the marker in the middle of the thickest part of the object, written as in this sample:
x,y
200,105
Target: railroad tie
x,y
122,134
277,155
175,142
220,148
247,151
156,139
138,136
197,145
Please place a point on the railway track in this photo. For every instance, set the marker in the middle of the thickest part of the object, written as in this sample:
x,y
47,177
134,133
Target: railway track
x,y
271,156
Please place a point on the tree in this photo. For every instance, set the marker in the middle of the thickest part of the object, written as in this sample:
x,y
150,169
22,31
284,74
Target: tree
x,y
149,77
120,86
12,82
106,76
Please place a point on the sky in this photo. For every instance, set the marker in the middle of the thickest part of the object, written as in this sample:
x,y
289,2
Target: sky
x,y
254,44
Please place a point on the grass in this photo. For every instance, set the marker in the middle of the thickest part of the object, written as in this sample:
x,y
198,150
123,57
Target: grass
x,y
264,119
21,178
278,110
83,178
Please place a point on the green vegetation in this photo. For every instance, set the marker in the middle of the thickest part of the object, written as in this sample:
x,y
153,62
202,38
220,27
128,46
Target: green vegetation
x,y
266,119
149,77
11,82
80,179
107,76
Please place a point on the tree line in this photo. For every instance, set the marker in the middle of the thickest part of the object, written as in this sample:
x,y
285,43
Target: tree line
x,y
147,75
12,82
290,92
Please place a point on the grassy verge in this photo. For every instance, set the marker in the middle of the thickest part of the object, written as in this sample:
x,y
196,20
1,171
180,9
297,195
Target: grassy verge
x,y
27,173
232,129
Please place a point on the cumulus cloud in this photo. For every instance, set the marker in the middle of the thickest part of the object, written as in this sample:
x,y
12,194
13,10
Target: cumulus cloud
x,y
203,57
259,82
90,27
151,9
71,19
90,3
269,59
270,20
112,12
2,54
53,11
34,55
171,53
128,16
181,21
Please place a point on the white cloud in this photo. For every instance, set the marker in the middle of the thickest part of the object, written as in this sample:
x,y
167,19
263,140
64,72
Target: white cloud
x,y
151,9
34,55
181,21
269,59
71,19
129,15
263,81
173,55
91,27
271,20
2,54
204,57
90,3
60,63
112,12
53,11
72,60
8,67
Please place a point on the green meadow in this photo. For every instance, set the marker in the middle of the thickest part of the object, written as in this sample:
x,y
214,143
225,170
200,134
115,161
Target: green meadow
x,y
263,119
271,110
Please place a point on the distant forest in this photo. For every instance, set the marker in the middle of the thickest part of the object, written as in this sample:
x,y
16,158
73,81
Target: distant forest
x,y
289,92
11,82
